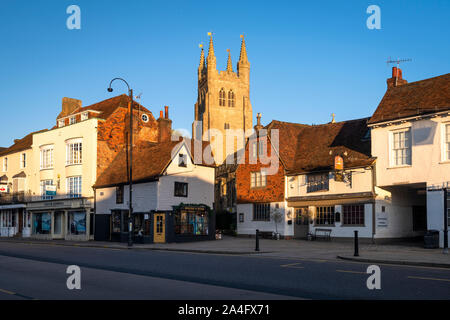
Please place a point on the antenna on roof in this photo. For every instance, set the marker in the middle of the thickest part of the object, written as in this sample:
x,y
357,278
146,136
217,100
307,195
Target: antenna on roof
x,y
398,61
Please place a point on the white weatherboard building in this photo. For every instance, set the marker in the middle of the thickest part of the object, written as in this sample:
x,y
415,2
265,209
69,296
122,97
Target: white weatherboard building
x,y
411,140
162,180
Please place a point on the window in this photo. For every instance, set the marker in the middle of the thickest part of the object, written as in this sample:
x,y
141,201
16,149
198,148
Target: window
x,y
254,149
317,182
181,189
447,142
191,222
47,157
258,179
84,116
73,185
261,212
182,160
353,214
324,215
76,223
401,148
61,123
241,217
72,120
46,193
42,223
222,98
5,164
73,152
119,194
261,145
231,98
23,160
226,126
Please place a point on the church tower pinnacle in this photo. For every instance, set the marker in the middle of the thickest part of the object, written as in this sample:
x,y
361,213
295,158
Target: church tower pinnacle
x,y
211,60
229,64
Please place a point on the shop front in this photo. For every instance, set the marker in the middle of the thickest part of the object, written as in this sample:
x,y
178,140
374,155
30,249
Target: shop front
x,y
14,221
69,219
184,223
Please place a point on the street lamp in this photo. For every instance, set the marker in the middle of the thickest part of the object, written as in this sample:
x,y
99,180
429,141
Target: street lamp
x,y
130,169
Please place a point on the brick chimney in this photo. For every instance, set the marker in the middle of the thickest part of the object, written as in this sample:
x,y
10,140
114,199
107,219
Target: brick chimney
x,y
397,79
69,105
164,126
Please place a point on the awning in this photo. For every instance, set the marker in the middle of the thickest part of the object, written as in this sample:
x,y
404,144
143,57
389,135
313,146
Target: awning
x,y
13,206
331,199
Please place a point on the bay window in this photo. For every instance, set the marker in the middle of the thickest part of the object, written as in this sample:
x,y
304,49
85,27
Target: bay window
x,y
47,157
73,152
74,186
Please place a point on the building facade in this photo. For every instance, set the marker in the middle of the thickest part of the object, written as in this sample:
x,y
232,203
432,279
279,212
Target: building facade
x,y
411,140
172,196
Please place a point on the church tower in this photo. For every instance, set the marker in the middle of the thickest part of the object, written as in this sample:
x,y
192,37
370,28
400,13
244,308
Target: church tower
x,y
223,101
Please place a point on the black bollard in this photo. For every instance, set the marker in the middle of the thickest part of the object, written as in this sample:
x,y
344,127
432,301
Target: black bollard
x,y
257,240
356,254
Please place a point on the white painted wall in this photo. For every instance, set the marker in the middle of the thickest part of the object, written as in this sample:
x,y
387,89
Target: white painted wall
x,y
435,207
249,226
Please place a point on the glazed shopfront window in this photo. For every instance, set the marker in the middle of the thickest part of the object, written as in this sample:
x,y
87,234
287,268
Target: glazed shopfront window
x,y
42,223
191,222
77,222
119,221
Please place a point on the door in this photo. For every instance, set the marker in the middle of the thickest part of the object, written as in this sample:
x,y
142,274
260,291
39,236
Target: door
x,y
159,228
301,226
20,212
58,223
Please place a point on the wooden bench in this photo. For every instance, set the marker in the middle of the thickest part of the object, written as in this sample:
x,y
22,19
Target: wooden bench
x,y
322,233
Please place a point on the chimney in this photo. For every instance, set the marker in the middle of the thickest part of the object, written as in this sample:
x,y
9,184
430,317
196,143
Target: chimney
x,y
164,126
397,78
258,122
69,105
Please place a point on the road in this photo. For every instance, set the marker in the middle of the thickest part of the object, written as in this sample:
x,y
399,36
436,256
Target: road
x,y
38,271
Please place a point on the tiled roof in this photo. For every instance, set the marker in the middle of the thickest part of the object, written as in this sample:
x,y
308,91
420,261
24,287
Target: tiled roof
x,y
20,144
149,162
415,98
108,106
306,148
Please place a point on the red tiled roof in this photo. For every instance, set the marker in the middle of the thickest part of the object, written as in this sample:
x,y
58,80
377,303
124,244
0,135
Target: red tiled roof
x,y
20,144
108,106
415,98
149,162
305,148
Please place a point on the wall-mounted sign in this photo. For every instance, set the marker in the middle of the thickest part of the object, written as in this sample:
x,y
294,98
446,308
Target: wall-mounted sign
x,y
50,190
3,188
338,163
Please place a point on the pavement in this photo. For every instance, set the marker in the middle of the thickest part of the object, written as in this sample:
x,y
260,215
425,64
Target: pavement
x,y
401,253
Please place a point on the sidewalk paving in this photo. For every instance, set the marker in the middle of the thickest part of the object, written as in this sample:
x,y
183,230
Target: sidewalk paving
x,y
399,253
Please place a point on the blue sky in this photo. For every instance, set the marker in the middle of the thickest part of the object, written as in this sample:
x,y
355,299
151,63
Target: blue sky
x,y
308,58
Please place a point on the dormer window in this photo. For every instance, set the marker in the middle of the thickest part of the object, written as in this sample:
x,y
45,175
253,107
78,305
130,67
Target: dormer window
x,y
182,160
72,120
222,98
61,123
84,116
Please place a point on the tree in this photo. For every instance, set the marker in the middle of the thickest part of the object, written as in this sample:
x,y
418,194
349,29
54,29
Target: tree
x,y
277,217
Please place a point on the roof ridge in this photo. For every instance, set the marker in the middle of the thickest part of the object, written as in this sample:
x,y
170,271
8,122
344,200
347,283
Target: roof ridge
x,y
419,81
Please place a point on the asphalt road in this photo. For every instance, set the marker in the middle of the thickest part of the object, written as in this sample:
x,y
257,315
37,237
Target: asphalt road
x,y
39,272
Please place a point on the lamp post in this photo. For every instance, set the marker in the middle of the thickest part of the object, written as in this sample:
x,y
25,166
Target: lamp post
x,y
130,169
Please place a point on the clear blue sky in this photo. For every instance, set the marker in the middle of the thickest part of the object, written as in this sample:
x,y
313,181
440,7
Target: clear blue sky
x,y
308,59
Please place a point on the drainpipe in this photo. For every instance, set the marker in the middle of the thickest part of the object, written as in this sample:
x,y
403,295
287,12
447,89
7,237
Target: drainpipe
x,y
374,181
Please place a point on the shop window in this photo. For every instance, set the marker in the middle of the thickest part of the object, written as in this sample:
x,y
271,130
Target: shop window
x,y
261,212
116,221
119,194
353,214
76,222
42,223
191,222
325,215
181,189
317,182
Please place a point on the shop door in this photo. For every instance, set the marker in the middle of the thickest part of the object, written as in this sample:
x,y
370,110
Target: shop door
x,y
159,228
301,226
20,212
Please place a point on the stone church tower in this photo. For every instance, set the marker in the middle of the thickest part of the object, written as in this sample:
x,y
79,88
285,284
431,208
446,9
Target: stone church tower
x,y
223,101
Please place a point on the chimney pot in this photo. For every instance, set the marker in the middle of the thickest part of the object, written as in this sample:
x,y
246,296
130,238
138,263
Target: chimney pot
x,y
166,112
161,114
